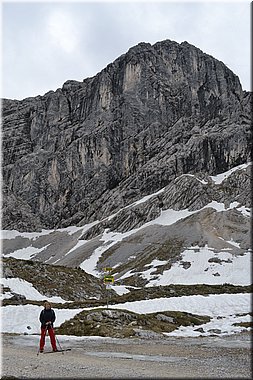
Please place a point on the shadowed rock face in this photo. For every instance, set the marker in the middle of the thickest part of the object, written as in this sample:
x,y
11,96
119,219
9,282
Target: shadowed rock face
x,y
90,148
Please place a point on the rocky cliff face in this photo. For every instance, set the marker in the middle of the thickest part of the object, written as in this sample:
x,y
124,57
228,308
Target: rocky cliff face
x,y
190,212
90,148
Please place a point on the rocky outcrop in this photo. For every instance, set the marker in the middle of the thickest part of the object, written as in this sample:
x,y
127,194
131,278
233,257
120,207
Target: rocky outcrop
x,y
184,192
210,212
55,280
90,148
125,324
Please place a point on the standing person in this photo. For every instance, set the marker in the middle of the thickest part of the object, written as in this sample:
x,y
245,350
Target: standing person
x,y
47,318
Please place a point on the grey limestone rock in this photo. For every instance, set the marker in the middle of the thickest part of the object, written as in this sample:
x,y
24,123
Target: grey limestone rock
x,y
86,150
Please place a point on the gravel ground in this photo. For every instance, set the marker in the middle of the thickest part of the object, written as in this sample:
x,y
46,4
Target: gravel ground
x,y
205,357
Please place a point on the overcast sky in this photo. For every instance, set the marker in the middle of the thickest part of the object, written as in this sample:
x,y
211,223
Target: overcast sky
x,y
45,43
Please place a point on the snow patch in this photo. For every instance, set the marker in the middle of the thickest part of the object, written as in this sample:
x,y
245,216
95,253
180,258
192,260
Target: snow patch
x,y
120,289
219,178
26,253
205,267
28,315
26,289
213,305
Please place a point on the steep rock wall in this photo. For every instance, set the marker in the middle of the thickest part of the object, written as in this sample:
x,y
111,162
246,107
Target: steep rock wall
x,y
89,148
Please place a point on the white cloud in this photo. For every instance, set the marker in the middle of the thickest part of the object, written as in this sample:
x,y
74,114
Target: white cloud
x,y
62,31
45,44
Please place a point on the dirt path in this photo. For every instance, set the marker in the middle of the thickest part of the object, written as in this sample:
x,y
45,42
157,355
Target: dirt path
x,y
213,357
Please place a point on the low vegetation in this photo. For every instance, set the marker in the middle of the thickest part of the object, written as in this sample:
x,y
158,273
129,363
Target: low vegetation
x,y
71,284
180,290
85,290
126,324
245,324
168,250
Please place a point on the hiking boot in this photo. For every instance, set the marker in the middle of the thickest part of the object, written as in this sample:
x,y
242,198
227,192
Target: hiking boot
x,y
41,351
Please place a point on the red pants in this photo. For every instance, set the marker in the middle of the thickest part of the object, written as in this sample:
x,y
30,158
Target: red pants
x,y
52,337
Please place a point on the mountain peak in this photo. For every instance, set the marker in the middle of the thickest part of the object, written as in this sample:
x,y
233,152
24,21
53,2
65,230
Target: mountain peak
x,y
83,151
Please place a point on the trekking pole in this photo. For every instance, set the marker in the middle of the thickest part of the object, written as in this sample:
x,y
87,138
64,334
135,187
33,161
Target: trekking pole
x,y
58,343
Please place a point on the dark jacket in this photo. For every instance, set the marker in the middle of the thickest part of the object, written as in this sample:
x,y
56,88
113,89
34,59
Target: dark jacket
x,y
47,316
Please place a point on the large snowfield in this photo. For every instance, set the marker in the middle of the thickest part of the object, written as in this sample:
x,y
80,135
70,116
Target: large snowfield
x,y
224,309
